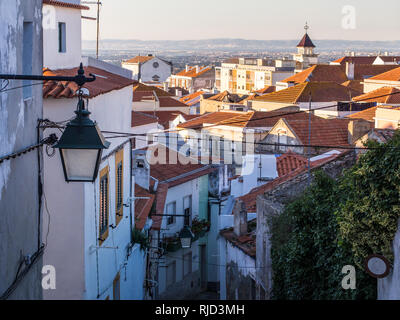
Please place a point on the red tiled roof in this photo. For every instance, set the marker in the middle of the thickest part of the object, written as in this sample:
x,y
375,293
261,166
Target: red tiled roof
x,y
142,206
169,102
165,174
226,96
165,117
320,92
250,199
385,95
390,58
192,72
63,89
140,87
327,132
246,243
142,118
306,42
356,59
363,71
356,85
392,75
367,114
250,119
192,99
319,72
65,4
289,162
267,89
140,59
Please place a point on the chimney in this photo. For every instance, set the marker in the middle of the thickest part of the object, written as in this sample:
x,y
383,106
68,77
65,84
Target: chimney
x,y
239,218
178,92
187,68
353,54
357,129
141,169
350,70
197,69
165,86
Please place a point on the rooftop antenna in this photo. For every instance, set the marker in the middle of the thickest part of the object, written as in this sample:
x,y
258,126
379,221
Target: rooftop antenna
x,y
98,3
306,27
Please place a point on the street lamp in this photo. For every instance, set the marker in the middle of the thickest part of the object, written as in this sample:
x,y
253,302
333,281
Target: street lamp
x,y
82,143
186,236
81,146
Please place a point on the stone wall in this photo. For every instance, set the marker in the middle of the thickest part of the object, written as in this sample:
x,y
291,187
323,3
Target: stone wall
x,y
273,203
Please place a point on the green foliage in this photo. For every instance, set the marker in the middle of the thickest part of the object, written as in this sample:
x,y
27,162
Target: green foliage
x,y
338,223
140,238
370,208
307,257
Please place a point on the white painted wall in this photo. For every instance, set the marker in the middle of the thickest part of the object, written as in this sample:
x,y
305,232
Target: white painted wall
x,y
148,70
389,287
72,57
251,173
75,211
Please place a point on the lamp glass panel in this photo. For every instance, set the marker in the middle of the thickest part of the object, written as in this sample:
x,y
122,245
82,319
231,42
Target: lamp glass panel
x,y
186,242
80,164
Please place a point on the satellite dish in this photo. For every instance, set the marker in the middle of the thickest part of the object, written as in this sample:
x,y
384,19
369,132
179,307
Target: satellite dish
x,y
377,266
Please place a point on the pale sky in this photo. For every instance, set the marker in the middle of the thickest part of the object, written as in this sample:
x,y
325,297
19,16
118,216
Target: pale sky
x,y
247,19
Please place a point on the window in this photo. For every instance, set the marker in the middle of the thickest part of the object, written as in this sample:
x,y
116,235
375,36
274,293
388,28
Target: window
x,y
117,288
187,210
119,186
171,273
156,65
104,204
171,210
156,78
27,61
62,37
187,264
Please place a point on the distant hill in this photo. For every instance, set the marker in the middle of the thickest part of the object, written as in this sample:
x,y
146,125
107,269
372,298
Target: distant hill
x,y
240,45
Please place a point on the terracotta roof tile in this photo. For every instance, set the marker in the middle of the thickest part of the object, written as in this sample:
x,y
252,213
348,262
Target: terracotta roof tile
x,y
356,85
62,89
142,206
320,92
142,118
250,119
327,132
267,89
362,71
165,117
392,75
246,243
319,72
139,59
385,95
192,99
306,42
169,102
192,72
250,199
356,59
65,4
367,114
289,162
140,87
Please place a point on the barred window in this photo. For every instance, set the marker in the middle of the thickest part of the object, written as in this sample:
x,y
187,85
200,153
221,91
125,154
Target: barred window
x,y
104,205
119,172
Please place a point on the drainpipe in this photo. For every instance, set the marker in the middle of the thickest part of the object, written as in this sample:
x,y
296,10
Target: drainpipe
x,y
130,190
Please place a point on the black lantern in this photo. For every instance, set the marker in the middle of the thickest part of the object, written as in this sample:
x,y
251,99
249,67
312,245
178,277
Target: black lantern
x,y
81,146
186,236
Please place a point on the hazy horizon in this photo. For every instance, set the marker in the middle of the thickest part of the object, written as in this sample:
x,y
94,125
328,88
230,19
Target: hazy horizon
x,y
263,20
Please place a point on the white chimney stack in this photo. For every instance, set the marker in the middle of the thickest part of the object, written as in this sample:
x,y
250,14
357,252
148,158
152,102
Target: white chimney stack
x,y
350,70
187,68
197,69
